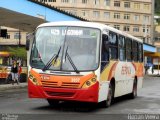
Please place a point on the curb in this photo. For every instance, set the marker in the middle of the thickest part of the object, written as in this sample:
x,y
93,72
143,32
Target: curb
x,y
10,86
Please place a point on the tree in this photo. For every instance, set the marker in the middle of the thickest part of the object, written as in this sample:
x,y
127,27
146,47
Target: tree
x,y
18,52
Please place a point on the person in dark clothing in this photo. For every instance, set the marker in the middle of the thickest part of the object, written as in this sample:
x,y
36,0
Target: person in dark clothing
x,y
14,72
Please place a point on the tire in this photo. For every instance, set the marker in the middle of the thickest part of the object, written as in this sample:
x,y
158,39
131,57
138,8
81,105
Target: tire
x,y
134,90
107,103
23,77
53,103
8,79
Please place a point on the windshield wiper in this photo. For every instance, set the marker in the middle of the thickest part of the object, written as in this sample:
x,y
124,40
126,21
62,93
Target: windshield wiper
x,y
54,57
70,60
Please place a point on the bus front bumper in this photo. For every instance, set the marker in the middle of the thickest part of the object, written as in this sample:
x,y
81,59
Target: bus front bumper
x,y
85,95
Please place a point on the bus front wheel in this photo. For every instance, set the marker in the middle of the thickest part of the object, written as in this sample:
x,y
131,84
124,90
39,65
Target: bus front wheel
x,y
52,102
107,103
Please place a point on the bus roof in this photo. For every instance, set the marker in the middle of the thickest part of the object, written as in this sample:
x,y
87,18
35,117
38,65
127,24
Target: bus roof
x,y
89,24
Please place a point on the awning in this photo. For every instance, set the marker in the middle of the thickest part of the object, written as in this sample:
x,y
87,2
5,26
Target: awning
x,y
4,54
153,55
148,48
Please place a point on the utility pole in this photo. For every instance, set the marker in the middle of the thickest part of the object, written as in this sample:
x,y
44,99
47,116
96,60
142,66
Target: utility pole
x,y
19,42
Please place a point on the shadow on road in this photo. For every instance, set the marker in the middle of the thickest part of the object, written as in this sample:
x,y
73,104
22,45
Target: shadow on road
x,y
69,106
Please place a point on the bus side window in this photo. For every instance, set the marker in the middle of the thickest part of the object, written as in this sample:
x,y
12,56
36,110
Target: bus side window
x,y
122,50
135,51
140,51
129,49
104,51
113,46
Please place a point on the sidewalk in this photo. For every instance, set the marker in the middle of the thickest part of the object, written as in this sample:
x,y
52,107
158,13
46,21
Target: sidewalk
x,y
10,86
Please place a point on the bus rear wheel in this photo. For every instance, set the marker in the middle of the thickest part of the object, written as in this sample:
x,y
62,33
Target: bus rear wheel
x,y
134,90
53,102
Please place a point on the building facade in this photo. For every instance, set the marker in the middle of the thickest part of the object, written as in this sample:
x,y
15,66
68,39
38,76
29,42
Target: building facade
x,y
132,16
14,37
157,33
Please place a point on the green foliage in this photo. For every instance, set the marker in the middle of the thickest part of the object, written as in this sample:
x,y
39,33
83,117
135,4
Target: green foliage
x,y
18,52
157,7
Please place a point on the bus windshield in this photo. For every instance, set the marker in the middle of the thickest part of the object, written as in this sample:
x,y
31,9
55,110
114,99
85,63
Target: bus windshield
x,y
66,49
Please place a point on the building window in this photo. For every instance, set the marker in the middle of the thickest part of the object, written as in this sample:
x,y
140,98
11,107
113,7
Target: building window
x,y
136,17
126,28
107,2
106,15
7,36
73,1
158,49
17,36
117,27
84,13
117,15
127,4
84,1
146,19
96,2
43,0
157,38
135,29
127,16
144,39
65,1
96,14
51,0
145,29
137,6
117,3
146,7
74,12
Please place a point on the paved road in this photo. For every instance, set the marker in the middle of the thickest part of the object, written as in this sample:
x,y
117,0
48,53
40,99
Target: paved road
x,y
16,102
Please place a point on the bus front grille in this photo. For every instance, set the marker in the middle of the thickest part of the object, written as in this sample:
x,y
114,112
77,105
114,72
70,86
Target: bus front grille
x,y
49,84
52,84
70,85
60,94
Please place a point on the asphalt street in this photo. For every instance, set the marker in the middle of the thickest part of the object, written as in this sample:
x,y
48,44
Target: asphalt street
x,y
15,103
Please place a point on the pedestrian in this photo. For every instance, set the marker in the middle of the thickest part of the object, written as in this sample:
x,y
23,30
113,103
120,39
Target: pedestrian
x,y
19,70
152,69
14,72
146,68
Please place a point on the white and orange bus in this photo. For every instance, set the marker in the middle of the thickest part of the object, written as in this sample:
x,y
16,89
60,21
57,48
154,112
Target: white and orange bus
x,y
83,61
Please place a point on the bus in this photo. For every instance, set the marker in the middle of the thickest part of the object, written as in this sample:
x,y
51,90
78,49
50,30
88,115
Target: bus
x,y
6,61
83,61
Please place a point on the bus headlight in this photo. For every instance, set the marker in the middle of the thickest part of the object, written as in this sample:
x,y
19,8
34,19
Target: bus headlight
x,y
89,82
33,79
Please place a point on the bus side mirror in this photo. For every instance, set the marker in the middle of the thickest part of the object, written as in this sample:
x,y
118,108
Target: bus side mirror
x,y
27,44
29,38
105,37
